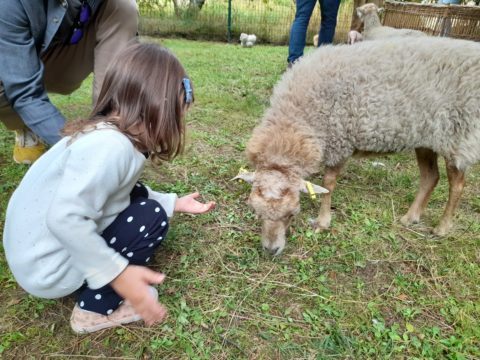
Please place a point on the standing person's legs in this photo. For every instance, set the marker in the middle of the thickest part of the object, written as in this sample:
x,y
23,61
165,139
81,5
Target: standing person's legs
x,y
329,12
298,32
136,233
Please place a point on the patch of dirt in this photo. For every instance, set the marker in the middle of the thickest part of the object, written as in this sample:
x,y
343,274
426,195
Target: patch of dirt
x,y
375,275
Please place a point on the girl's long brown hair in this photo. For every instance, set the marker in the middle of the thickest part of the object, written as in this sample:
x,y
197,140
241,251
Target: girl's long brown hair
x,y
144,97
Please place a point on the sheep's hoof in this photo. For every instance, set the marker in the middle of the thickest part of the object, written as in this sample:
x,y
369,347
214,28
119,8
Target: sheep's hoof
x,y
409,220
319,229
319,226
441,230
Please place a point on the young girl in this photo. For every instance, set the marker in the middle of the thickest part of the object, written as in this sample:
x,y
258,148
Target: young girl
x,y
81,220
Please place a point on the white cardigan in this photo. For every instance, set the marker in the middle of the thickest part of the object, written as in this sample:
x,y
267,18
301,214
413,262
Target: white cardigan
x,y
66,199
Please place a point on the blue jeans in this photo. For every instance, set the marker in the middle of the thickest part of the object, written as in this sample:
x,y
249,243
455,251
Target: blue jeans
x,y
298,32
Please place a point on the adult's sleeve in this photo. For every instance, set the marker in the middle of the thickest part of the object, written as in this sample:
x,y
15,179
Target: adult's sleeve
x,y
93,172
21,72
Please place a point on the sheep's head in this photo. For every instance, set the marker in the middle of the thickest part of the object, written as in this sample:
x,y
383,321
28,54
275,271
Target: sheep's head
x,y
275,198
369,8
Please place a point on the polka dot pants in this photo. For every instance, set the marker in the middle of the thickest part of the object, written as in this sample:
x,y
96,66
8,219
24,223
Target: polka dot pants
x,y
135,234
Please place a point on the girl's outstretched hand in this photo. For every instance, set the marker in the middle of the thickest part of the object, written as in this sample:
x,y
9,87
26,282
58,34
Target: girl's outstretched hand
x,y
133,284
188,204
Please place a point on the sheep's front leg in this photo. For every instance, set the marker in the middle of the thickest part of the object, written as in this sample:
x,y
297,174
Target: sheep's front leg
x,y
456,180
329,181
428,165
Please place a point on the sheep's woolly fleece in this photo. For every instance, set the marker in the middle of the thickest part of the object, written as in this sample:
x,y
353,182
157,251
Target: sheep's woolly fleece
x,y
378,96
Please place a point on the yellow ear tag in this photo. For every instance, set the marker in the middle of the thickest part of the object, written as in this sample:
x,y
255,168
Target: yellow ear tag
x,y
310,190
242,170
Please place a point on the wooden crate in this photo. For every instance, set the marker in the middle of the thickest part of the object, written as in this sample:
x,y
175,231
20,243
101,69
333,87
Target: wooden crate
x,y
456,21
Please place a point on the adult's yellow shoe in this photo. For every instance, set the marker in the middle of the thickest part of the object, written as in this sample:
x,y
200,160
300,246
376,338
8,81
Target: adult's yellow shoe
x,y
28,147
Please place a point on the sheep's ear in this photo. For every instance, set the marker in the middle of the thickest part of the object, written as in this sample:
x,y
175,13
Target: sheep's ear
x,y
245,176
359,13
381,10
312,189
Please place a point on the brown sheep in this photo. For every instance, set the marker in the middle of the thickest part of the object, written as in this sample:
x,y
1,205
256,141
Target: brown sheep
x,y
418,94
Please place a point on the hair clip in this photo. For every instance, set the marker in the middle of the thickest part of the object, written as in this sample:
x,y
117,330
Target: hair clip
x,y
188,90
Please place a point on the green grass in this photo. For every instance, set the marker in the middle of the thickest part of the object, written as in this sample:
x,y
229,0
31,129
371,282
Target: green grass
x,y
368,289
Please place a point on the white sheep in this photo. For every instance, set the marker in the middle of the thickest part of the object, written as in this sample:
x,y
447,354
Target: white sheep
x,y
409,94
247,40
373,28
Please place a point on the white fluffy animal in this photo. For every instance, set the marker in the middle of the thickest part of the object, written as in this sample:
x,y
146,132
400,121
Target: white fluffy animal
x,y
412,94
373,28
247,40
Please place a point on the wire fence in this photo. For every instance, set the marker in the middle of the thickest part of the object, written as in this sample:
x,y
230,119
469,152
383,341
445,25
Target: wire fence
x,y
269,20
